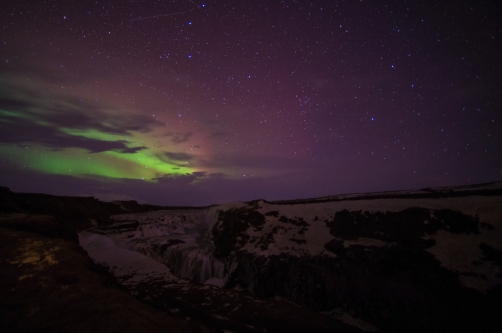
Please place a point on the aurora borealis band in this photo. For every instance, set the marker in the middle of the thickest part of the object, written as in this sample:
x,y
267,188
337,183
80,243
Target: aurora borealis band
x,y
190,102
115,154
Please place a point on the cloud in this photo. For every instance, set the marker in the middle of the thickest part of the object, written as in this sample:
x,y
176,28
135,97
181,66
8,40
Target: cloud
x,y
76,113
179,137
179,156
26,133
27,116
180,179
131,150
13,104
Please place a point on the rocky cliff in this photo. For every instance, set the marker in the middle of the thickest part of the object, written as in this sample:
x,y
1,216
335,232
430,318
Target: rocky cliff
x,y
428,260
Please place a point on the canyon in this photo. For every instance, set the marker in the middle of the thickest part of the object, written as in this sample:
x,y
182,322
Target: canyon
x,y
426,260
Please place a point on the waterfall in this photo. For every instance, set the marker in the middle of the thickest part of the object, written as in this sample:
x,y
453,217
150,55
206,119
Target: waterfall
x,y
180,240
189,263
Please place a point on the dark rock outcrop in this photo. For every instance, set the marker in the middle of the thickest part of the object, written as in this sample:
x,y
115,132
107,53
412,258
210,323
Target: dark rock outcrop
x,y
228,233
44,225
397,285
75,212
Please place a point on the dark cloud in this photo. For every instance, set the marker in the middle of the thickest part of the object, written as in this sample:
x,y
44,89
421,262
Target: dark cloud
x,y
42,119
180,179
179,156
26,133
132,150
14,104
75,113
239,160
71,112
217,175
178,137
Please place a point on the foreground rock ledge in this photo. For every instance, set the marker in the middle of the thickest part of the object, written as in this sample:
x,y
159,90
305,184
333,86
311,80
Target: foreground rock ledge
x,y
51,285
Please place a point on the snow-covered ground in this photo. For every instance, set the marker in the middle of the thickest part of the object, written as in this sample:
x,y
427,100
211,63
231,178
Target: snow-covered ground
x,y
178,239
174,246
182,239
130,267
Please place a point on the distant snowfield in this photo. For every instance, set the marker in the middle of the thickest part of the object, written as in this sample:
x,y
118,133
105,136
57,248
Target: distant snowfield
x,y
459,253
456,252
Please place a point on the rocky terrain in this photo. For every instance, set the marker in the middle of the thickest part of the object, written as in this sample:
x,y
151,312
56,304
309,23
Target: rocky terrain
x,y
415,261
51,285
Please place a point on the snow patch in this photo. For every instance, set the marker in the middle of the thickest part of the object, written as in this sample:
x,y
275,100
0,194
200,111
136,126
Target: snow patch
x,y
215,282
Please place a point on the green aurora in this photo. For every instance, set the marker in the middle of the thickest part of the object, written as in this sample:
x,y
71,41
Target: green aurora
x,y
138,163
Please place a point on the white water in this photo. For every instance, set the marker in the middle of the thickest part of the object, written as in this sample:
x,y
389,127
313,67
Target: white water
x,y
192,263
181,240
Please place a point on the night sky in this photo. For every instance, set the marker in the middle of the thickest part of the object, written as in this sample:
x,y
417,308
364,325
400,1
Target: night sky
x,y
192,102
